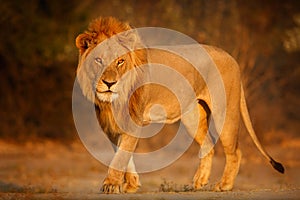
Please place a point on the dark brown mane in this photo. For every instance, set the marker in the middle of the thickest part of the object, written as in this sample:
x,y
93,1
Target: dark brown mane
x,y
107,26
99,30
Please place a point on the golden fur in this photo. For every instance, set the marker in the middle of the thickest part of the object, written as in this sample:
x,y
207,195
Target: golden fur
x,y
112,89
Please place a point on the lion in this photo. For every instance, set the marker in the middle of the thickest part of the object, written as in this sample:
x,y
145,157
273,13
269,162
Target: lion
x,y
116,87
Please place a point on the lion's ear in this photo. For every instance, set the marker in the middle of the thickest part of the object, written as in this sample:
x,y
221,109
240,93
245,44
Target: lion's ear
x,y
130,39
83,42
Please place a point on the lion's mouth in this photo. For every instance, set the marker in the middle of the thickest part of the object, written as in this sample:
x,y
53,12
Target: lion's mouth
x,y
107,95
107,92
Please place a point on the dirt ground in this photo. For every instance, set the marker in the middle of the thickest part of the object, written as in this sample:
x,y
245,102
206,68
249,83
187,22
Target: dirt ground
x,y
52,170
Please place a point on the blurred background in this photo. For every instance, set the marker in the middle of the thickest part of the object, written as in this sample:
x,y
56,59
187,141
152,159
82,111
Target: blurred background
x,y
38,57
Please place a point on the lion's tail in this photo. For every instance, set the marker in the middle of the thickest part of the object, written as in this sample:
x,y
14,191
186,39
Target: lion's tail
x,y
246,118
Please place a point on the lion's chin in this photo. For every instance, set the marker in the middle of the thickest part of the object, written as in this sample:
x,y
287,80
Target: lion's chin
x,y
107,96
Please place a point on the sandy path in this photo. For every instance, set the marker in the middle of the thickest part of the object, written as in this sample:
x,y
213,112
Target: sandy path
x,y
239,195
48,170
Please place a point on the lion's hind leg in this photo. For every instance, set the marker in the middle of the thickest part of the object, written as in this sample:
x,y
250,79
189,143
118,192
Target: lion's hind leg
x,y
202,112
233,160
229,140
203,172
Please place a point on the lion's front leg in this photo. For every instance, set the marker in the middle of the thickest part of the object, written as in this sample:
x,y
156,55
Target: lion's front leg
x,y
113,183
131,181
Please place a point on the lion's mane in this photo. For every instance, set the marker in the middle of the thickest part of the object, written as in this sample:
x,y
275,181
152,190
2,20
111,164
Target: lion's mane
x,y
131,100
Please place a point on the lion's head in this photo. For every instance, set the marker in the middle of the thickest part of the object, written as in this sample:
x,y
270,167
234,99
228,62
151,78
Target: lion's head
x,y
107,51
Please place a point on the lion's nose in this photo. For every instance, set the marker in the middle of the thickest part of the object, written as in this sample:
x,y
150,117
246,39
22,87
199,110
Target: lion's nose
x,y
109,84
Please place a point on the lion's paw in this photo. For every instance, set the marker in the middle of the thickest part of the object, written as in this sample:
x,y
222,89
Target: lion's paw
x,y
199,181
219,187
199,186
132,183
110,187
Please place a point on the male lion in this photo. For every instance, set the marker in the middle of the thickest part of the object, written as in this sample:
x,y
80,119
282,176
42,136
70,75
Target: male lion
x,y
111,84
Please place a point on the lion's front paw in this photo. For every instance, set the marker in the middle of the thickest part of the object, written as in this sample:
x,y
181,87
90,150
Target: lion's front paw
x,y
111,187
132,182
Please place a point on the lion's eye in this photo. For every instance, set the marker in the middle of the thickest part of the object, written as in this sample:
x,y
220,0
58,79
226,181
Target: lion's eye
x,y
120,62
99,60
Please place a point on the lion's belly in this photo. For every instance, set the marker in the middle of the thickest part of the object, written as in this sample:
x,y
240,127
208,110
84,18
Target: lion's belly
x,y
164,106
158,114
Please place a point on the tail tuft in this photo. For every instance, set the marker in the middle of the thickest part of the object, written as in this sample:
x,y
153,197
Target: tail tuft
x,y
278,166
